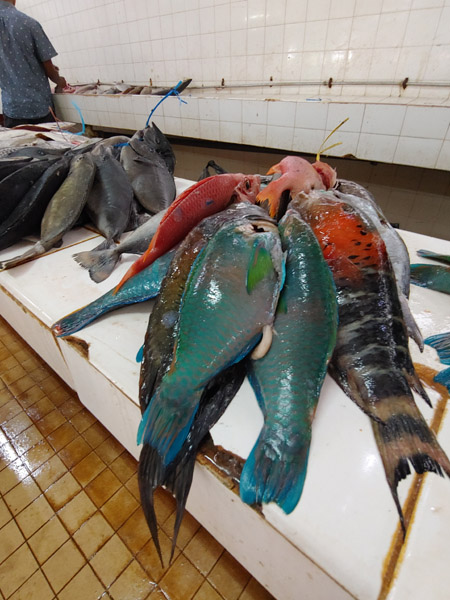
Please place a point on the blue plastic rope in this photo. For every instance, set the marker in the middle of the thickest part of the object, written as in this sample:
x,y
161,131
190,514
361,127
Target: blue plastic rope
x,y
169,93
81,117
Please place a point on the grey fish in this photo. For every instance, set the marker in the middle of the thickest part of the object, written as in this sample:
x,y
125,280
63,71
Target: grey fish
x,y
115,142
16,185
34,152
109,201
62,211
10,166
101,262
27,215
151,139
152,183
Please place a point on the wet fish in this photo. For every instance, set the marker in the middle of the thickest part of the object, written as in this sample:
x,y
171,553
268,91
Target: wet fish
x,y
433,277
358,197
169,324
101,263
297,175
115,143
151,180
371,361
10,166
144,286
201,200
288,379
445,258
62,211
14,187
27,216
109,204
151,139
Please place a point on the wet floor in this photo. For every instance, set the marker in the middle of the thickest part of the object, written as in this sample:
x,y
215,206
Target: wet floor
x,y
71,525
416,199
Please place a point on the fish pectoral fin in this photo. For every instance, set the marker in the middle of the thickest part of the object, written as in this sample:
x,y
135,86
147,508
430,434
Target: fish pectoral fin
x,y
264,345
260,266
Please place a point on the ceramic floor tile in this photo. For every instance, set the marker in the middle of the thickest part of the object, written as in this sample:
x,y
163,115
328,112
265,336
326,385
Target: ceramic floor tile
x,y
50,422
103,487
11,475
134,532
34,516
38,455
111,560
27,439
35,588
16,569
95,434
85,585
109,450
228,577
76,512
86,470
93,534
63,565
40,408
82,420
182,580
189,527
119,508
74,452
207,592
133,583
49,473
16,425
62,436
124,466
5,515
48,539
12,538
255,591
203,551
22,495
149,559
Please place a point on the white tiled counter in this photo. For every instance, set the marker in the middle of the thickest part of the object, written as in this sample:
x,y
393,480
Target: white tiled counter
x,y
399,130
337,541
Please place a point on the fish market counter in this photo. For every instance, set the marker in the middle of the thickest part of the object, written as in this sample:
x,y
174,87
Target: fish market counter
x,y
343,539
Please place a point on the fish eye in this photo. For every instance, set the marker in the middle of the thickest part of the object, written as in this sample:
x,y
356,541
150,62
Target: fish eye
x,y
247,184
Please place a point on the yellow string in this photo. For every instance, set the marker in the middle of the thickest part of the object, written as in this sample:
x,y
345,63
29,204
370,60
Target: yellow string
x,y
321,150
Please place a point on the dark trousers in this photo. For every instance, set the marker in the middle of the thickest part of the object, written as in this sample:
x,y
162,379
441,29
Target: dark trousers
x,y
8,122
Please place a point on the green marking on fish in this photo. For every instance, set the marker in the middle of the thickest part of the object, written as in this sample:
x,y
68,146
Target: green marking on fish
x,y
260,266
282,305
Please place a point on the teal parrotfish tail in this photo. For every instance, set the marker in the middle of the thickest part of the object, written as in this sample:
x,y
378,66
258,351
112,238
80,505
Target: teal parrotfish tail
x,y
210,322
441,343
158,354
433,277
445,258
143,287
288,379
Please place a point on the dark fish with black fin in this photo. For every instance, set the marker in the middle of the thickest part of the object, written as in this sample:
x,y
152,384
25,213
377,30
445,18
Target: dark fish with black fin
x,y
152,183
101,262
10,166
109,202
115,143
371,361
26,217
62,211
14,187
35,152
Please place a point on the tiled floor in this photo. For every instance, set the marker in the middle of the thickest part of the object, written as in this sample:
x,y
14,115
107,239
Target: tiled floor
x,y
71,526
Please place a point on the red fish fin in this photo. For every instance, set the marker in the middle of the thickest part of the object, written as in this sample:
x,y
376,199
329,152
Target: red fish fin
x,y
274,169
272,196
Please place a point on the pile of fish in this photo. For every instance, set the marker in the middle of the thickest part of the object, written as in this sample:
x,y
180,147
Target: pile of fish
x,y
312,280
112,185
122,88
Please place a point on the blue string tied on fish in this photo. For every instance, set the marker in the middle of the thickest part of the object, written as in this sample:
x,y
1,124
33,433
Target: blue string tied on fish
x,y
174,92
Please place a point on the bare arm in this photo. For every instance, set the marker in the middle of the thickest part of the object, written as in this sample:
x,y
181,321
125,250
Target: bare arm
x,y
52,73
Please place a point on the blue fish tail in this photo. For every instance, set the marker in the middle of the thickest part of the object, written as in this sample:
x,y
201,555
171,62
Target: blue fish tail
x,y
441,343
443,377
268,478
165,429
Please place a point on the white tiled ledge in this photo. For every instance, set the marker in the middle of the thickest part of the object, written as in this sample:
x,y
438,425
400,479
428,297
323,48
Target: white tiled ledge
x,y
408,131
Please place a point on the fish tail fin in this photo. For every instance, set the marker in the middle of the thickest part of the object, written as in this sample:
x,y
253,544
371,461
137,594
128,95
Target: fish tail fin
x,y
179,482
271,195
441,343
443,377
405,439
34,251
150,475
268,478
100,263
415,383
166,428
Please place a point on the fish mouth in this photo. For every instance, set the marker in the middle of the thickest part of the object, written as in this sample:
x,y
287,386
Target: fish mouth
x,y
258,226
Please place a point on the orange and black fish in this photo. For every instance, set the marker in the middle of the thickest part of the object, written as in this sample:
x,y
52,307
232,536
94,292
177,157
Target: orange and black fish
x,y
371,361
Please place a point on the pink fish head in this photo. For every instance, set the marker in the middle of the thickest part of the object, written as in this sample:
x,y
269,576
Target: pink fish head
x,y
247,189
327,173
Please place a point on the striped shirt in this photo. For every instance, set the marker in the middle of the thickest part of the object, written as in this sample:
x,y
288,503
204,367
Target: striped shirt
x,y
24,46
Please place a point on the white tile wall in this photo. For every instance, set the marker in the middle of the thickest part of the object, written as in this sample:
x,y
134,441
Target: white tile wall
x,y
253,41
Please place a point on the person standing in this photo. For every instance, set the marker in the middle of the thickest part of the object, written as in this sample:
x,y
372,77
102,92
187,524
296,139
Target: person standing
x,y
25,67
